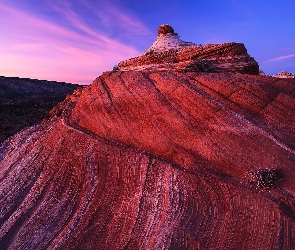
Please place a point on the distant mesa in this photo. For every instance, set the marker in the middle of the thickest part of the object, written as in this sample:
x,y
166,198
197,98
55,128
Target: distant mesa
x,y
285,74
282,74
169,52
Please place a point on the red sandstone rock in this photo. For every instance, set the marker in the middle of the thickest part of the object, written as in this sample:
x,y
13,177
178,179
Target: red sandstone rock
x,y
165,29
155,160
285,74
168,52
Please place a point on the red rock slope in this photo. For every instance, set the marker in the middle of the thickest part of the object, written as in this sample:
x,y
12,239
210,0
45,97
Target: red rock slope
x,y
155,160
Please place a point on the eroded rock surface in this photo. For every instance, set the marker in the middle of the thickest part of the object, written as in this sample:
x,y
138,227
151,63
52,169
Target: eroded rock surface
x,y
169,52
285,74
155,160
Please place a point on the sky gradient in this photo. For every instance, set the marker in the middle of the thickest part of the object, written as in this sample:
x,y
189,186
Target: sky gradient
x,y
75,41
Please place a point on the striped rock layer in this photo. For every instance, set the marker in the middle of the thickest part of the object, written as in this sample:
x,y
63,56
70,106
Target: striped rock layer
x,y
155,160
225,57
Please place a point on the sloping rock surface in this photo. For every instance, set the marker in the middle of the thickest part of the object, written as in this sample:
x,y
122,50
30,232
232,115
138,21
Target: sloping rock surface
x,y
155,160
25,102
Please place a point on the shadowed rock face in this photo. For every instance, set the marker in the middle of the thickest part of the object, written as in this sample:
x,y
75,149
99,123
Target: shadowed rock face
x,y
155,160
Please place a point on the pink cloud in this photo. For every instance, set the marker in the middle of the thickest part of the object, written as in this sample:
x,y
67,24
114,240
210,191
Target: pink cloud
x,y
111,14
36,28
281,58
38,48
129,23
289,48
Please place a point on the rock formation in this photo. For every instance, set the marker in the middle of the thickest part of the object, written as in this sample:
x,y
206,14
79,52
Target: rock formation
x,y
167,39
284,74
25,102
156,159
168,52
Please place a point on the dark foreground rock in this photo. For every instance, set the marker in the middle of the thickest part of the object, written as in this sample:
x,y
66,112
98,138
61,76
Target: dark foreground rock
x,y
156,160
25,102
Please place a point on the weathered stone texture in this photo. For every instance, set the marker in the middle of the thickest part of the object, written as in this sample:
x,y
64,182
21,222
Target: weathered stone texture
x,y
165,29
285,74
226,57
155,160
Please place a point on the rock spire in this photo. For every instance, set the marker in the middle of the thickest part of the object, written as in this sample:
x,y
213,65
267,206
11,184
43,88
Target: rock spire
x,y
167,39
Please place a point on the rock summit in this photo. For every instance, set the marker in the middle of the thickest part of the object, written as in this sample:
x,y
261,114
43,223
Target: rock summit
x,y
169,52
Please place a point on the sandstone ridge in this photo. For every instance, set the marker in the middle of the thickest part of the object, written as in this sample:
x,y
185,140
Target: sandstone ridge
x,y
169,52
156,160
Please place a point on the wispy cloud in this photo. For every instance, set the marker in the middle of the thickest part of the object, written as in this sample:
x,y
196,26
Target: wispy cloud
x,y
280,58
289,48
107,17
38,47
130,24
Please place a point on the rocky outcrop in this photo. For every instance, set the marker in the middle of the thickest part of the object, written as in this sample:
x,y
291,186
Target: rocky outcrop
x,y
25,102
168,52
156,160
167,40
284,74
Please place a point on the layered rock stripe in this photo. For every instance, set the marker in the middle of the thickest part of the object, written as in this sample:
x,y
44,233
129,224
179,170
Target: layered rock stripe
x,y
169,52
155,160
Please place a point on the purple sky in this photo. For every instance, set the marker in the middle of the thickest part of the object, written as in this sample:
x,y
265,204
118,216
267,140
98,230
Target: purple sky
x,y
76,40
